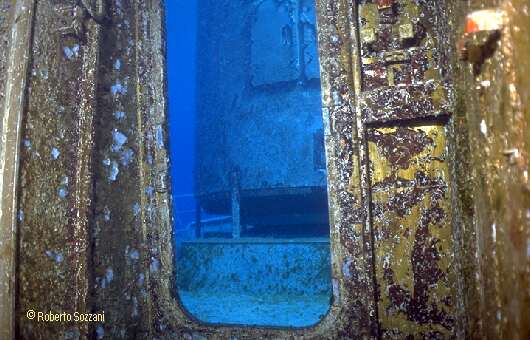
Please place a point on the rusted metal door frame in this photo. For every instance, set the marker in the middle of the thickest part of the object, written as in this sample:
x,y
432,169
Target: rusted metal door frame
x,y
352,313
356,294
17,106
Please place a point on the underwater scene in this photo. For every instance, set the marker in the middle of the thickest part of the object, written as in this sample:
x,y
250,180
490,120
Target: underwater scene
x,y
248,172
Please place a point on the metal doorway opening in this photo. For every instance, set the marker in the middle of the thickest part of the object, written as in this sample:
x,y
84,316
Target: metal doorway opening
x,y
249,180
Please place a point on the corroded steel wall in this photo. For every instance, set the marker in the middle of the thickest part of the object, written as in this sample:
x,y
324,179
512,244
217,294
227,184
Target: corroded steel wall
x,y
16,42
56,170
6,265
412,227
404,107
5,28
492,136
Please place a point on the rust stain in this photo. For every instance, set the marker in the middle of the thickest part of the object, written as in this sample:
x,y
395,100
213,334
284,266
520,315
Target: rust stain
x,y
411,207
412,225
400,145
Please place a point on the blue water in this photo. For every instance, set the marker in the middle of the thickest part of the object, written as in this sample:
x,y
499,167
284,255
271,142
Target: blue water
x,y
246,150
181,25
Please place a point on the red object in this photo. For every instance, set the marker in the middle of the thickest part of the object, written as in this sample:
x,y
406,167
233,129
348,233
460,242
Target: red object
x,y
384,3
484,20
471,26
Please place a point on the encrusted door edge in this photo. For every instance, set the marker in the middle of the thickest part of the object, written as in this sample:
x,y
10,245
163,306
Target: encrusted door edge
x,y
10,138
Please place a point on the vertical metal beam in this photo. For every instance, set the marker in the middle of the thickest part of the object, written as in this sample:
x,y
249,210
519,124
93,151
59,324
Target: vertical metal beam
x,y
84,172
10,132
361,176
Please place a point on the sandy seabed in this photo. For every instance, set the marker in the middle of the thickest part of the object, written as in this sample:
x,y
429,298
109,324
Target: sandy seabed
x,y
245,309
